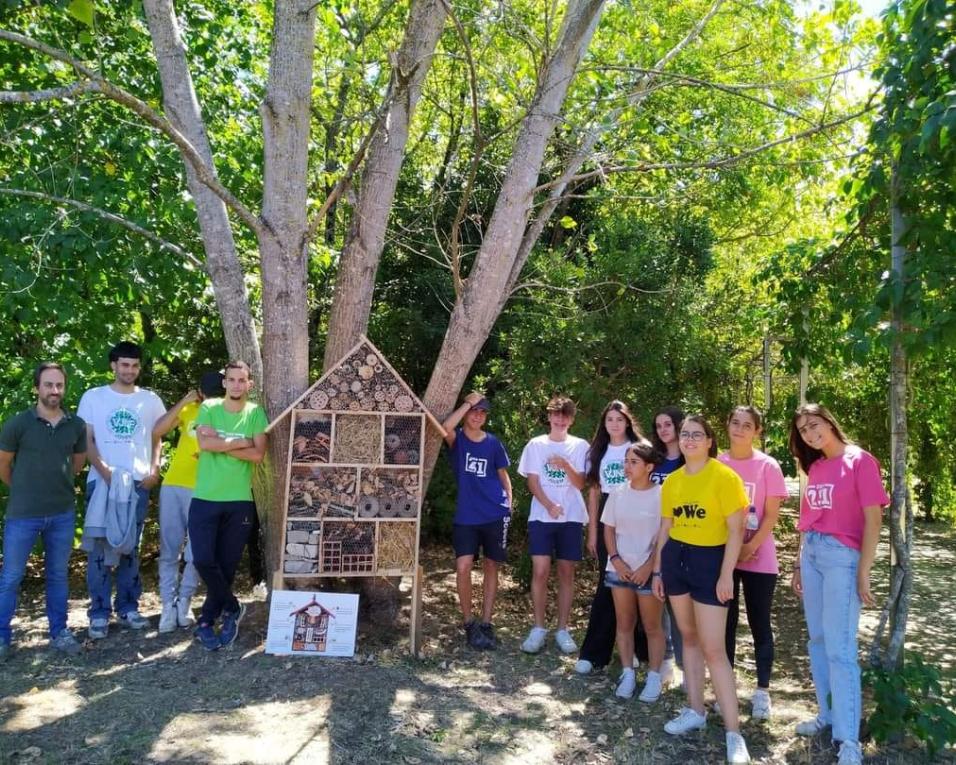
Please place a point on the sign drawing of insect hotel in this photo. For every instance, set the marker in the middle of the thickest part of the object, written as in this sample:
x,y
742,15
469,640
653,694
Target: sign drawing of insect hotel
x,y
311,630
353,480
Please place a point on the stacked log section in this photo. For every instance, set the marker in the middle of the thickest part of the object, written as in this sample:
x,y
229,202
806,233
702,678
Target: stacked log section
x,y
312,440
403,438
302,540
358,439
362,383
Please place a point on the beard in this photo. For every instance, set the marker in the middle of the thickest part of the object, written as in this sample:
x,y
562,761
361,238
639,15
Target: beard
x,y
52,401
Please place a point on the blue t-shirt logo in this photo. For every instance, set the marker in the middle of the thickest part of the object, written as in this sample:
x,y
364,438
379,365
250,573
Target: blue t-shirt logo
x,y
123,424
476,465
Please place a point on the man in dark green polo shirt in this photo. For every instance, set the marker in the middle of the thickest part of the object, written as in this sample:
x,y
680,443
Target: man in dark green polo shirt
x,y
41,449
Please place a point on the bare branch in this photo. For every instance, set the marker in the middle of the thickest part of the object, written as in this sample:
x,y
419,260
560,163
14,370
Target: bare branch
x,y
710,164
119,220
205,173
577,290
49,94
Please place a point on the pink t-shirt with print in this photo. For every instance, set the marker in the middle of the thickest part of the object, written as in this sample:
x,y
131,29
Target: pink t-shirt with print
x,y
762,478
838,489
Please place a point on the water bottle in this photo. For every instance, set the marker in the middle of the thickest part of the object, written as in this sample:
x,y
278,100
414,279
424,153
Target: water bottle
x,y
751,524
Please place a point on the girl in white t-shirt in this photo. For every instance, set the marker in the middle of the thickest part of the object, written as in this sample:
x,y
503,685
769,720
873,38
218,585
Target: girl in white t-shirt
x,y
632,519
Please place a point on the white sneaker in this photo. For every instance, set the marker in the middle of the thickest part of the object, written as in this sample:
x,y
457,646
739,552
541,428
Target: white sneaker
x,y
184,612
850,754
667,672
565,641
98,629
583,667
737,748
760,705
652,688
535,640
168,619
134,620
685,722
812,727
627,685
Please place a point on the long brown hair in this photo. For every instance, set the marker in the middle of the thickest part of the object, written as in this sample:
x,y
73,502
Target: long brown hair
x,y
602,438
805,454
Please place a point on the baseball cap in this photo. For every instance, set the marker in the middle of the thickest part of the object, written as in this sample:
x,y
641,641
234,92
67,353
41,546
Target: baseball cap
x,y
483,405
210,385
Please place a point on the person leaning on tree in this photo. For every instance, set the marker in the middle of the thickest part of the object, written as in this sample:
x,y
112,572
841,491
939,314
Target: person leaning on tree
x,y
232,439
41,450
119,427
482,510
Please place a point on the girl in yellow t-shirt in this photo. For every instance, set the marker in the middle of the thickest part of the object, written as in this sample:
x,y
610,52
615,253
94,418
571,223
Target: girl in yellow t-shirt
x,y
702,525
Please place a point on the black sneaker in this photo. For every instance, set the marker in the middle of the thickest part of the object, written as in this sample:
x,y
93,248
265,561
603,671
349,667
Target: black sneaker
x,y
477,638
230,626
488,632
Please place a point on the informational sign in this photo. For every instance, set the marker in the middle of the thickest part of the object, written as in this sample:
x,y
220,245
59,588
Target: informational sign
x,y
312,623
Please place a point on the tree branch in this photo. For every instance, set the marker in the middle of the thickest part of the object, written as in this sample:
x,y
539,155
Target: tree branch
x,y
139,107
49,94
709,164
119,220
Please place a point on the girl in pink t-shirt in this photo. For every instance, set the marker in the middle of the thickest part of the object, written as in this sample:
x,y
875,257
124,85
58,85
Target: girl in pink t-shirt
x,y
756,567
840,515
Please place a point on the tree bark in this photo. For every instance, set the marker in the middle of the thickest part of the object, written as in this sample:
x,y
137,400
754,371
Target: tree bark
x,y
362,251
222,263
285,111
484,292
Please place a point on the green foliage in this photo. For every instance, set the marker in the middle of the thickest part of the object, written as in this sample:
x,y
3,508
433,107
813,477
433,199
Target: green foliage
x,y
911,701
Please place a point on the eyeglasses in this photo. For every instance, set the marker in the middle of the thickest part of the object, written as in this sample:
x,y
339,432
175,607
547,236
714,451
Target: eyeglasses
x,y
696,435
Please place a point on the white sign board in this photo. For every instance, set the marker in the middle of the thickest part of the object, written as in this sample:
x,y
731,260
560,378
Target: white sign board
x,y
312,623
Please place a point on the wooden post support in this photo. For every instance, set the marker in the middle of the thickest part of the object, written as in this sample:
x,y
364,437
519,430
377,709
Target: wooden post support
x,y
415,628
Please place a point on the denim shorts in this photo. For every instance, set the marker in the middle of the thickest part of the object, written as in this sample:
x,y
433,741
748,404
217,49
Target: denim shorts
x,y
692,570
611,579
563,540
491,538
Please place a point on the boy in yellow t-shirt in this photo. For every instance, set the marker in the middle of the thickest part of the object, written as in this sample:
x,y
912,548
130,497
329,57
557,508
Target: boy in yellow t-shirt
x,y
174,498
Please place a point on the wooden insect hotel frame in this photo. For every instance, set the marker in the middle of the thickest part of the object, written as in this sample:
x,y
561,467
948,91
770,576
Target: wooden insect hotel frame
x,y
352,497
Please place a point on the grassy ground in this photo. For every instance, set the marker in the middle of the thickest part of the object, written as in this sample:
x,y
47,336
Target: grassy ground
x,y
139,697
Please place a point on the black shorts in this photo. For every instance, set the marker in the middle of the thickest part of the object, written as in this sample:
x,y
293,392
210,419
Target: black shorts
x,y
492,538
692,570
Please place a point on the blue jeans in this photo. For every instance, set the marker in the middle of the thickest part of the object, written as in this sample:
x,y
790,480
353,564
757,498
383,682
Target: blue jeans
x,y
19,535
99,576
832,607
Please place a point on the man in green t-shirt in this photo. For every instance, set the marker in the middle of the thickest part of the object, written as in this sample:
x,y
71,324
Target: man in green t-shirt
x,y
232,438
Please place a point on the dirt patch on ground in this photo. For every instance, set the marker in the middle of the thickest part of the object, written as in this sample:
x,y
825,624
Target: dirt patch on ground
x,y
139,697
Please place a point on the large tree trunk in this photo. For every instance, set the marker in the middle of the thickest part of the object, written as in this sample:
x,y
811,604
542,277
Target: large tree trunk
x,y
285,113
485,289
222,264
355,278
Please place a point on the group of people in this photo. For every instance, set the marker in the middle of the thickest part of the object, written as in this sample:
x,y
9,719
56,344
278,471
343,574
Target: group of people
x,y
680,531
206,510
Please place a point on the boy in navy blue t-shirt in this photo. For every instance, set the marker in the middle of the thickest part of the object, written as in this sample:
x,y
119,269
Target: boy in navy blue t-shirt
x,y
483,510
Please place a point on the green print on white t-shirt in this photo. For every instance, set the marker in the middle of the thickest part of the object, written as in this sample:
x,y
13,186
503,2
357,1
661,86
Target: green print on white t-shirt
x,y
123,424
613,473
556,476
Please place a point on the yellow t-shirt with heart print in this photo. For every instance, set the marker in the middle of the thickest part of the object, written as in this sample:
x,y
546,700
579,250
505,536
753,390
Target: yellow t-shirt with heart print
x,y
700,503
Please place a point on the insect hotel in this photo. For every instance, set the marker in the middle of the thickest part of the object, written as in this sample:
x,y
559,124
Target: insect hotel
x,y
353,480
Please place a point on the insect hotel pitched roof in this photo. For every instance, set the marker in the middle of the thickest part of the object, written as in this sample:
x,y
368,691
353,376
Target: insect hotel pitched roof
x,y
317,398
309,605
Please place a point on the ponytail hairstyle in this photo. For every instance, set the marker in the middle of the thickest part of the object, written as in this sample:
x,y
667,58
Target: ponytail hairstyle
x,y
754,413
602,438
805,454
647,452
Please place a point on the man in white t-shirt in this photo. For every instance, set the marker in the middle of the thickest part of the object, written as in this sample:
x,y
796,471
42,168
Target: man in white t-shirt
x,y
119,421
554,465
